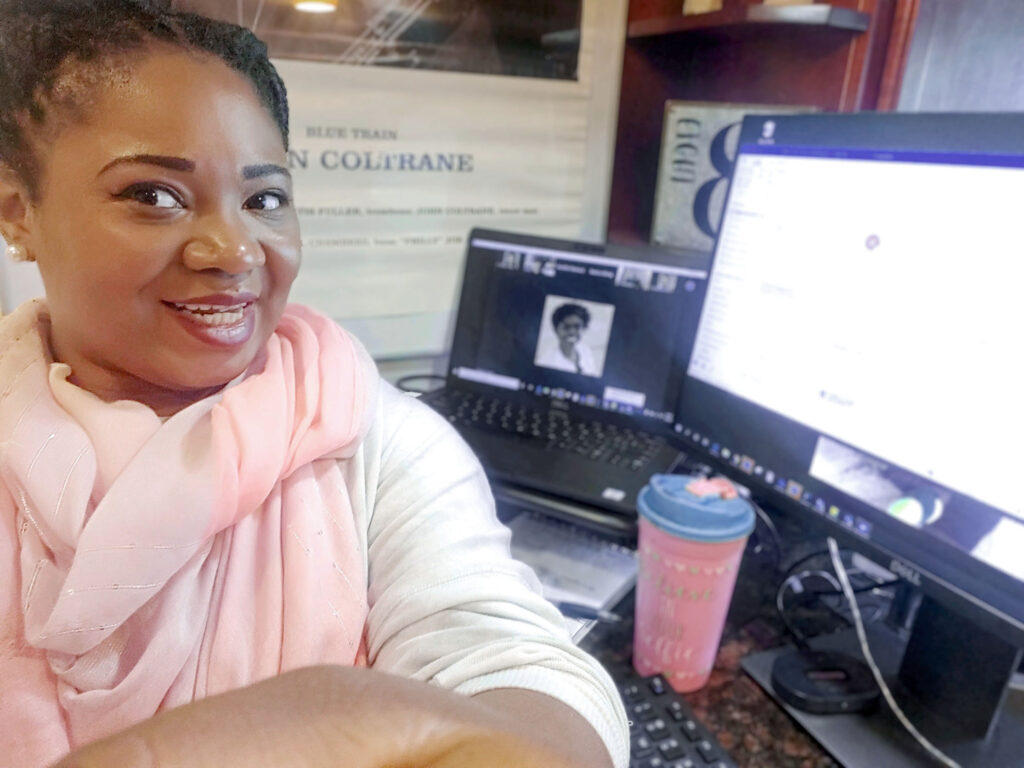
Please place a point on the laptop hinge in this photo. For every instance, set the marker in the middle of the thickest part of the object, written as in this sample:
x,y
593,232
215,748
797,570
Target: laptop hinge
x,y
609,524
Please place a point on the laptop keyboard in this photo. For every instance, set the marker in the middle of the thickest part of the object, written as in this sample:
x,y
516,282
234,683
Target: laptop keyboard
x,y
556,430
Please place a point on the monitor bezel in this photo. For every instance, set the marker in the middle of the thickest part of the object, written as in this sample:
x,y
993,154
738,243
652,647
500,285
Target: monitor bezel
x,y
981,593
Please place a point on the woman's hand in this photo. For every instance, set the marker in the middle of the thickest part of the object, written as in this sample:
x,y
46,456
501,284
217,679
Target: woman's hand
x,y
358,718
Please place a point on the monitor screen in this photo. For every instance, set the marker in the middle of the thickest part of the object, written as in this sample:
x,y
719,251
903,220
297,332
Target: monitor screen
x,y
857,352
578,322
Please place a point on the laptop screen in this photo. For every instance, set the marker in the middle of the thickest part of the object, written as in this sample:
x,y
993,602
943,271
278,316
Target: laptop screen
x,y
596,326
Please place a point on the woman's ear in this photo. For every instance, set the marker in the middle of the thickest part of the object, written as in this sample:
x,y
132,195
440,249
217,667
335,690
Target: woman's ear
x,y
15,207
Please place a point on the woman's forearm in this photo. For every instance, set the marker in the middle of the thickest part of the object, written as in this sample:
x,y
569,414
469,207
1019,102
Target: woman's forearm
x,y
330,716
296,719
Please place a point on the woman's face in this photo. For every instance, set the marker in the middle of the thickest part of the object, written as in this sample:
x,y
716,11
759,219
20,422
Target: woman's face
x,y
165,233
570,329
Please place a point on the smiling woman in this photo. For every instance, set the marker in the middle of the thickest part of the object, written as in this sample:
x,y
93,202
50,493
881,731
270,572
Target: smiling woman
x,y
212,511
167,245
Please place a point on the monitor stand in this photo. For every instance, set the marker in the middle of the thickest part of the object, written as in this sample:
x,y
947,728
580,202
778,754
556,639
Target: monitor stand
x,y
869,740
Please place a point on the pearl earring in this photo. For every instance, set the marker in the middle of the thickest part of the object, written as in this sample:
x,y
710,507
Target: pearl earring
x,y
18,252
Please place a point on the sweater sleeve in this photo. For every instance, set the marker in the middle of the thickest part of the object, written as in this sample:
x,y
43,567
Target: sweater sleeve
x,y
448,603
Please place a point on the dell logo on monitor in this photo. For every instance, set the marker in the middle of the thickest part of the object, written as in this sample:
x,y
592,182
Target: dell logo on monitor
x,y
905,572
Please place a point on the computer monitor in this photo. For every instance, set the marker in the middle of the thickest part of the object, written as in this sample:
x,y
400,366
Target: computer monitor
x,y
858,360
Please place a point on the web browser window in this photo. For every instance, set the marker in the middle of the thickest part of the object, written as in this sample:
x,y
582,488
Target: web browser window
x,y
910,265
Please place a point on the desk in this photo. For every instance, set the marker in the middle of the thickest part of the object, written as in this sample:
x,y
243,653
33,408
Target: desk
x,y
755,731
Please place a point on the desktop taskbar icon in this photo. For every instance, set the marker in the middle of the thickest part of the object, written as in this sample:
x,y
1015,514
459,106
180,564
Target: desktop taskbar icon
x,y
791,488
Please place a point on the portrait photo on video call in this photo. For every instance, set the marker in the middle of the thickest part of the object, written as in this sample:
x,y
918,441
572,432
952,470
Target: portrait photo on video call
x,y
574,335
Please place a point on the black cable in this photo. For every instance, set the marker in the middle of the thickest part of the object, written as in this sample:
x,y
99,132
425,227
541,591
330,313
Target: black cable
x,y
812,594
759,513
772,530
403,382
799,639
803,598
865,588
797,563
808,597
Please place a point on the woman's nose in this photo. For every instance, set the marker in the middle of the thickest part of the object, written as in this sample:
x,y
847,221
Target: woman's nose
x,y
225,245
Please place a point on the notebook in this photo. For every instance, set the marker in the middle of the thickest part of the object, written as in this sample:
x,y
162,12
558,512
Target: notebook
x,y
573,566
566,364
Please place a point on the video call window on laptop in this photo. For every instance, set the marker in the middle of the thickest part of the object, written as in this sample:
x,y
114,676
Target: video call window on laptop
x,y
590,328
576,352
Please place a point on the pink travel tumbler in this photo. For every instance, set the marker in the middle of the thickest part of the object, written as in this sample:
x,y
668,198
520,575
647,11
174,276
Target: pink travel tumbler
x,y
691,539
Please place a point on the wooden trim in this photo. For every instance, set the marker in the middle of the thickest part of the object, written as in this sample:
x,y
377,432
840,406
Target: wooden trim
x,y
904,21
850,99
833,15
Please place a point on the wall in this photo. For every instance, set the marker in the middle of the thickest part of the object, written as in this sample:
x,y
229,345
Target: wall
x,y
966,56
18,282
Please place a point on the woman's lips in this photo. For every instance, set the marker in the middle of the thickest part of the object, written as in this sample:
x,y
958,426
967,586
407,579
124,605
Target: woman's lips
x,y
212,315
220,321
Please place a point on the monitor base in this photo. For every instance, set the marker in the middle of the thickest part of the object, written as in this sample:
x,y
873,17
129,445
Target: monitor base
x,y
869,740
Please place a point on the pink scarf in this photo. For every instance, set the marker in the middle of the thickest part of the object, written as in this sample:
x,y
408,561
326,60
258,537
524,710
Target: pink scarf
x,y
224,552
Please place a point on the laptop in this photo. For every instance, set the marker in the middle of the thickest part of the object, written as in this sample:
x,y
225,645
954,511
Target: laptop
x,y
566,364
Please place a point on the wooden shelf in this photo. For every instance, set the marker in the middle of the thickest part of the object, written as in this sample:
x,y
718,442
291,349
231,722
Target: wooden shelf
x,y
817,15
832,55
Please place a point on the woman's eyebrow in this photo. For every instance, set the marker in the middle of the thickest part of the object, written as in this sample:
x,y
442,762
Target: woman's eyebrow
x,y
164,161
265,169
182,164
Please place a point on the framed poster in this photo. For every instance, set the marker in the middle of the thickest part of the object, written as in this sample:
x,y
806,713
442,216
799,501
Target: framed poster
x,y
412,122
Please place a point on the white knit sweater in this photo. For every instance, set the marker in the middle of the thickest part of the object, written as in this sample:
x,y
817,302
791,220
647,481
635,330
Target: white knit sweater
x,y
448,604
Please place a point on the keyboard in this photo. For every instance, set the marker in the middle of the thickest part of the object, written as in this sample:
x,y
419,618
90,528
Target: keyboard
x,y
663,731
556,430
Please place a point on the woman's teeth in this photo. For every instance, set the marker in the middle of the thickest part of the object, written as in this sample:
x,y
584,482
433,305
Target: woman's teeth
x,y
208,314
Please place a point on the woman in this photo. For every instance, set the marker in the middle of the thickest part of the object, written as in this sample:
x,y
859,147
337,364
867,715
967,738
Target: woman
x,y
212,512
570,321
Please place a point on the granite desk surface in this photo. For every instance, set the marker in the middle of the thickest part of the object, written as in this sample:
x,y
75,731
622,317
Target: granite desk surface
x,y
753,729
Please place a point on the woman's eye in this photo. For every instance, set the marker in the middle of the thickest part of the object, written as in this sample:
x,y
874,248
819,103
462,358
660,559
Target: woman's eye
x,y
267,201
152,195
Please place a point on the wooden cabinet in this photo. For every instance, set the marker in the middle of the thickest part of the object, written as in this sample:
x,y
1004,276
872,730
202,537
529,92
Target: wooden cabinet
x,y
847,55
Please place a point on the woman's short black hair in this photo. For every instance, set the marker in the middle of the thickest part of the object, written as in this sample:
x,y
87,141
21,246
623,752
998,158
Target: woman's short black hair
x,y
568,310
54,52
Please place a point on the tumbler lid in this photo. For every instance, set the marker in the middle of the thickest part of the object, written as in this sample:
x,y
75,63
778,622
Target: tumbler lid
x,y
694,508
